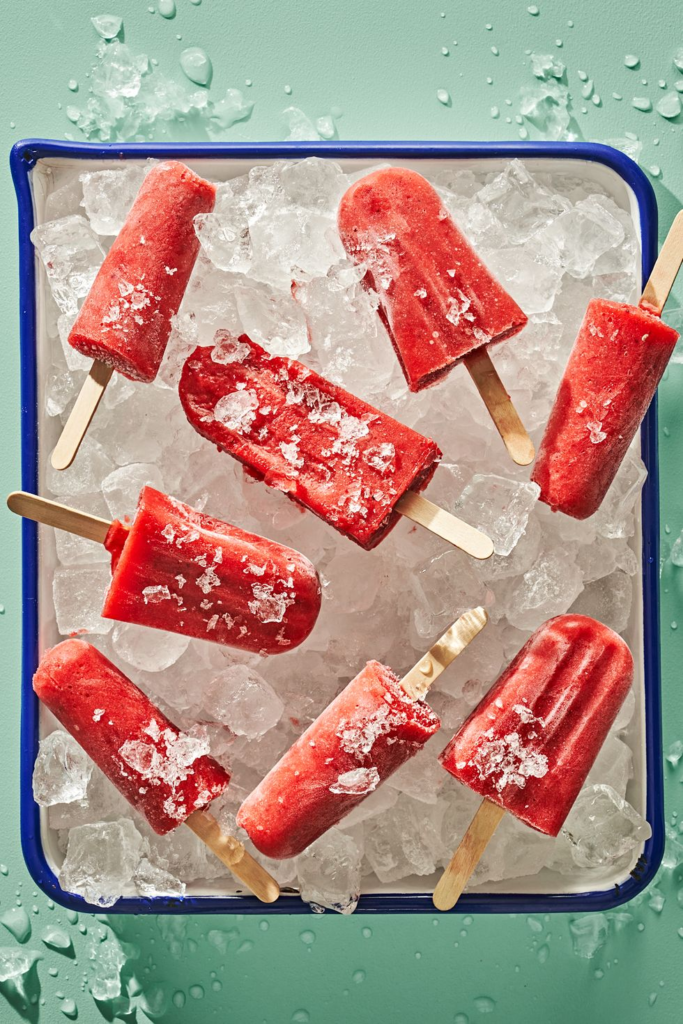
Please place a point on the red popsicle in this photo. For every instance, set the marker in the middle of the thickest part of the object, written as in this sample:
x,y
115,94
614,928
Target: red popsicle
x,y
439,303
165,774
178,569
349,463
529,744
611,377
616,364
125,321
375,725
155,766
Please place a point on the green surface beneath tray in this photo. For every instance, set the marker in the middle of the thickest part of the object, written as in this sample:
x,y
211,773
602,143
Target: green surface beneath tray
x,y
381,64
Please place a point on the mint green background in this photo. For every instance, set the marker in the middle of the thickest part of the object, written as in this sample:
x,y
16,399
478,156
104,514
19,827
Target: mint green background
x,y
380,62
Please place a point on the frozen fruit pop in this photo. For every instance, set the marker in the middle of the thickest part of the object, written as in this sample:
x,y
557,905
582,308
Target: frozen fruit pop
x,y
375,725
529,744
613,372
438,301
164,773
178,569
125,321
350,464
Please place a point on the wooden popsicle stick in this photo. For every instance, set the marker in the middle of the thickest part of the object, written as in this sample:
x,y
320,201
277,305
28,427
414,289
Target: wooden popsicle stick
x,y
80,416
231,852
501,410
665,270
443,524
51,513
417,682
467,856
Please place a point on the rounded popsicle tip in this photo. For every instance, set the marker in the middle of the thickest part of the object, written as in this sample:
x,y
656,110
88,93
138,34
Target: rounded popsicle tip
x,y
63,455
521,449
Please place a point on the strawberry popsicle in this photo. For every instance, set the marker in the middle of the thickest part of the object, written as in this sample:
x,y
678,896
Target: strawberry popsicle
x,y
177,569
529,744
167,775
336,455
350,464
613,371
163,773
375,725
125,321
359,740
438,301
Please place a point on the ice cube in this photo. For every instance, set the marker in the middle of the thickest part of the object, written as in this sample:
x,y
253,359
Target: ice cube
x,y
75,550
71,254
608,600
548,588
62,770
272,319
403,841
422,776
329,873
121,488
546,107
102,802
602,828
108,959
151,881
78,593
100,861
241,699
589,934
15,967
379,801
109,195
444,587
300,127
584,234
531,273
498,506
520,203
227,112
150,650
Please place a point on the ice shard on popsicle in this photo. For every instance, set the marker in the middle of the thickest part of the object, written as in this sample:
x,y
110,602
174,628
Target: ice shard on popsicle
x,y
125,320
438,300
530,743
164,773
613,371
358,741
178,569
341,458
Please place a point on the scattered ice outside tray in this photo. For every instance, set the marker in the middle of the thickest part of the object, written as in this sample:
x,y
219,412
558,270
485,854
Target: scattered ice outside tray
x,y
271,263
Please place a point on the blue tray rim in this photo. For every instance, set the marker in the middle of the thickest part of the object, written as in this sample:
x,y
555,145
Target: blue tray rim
x,y
23,158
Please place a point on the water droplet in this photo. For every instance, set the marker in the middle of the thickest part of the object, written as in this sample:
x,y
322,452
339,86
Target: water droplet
x,y
196,64
641,103
533,11
216,985
652,999
359,977
167,8
461,1018
495,51
488,26
680,932
307,936
107,25
485,1004
196,991
178,999
669,106
597,973
248,81
367,932
300,1017
445,51
631,61
53,972
495,113
4,870
264,926
641,927
443,96
534,924
57,938
72,916
196,2
418,956
674,624
543,953
17,923
69,1009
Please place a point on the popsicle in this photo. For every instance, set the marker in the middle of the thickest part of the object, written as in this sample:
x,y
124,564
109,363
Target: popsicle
x,y
165,774
613,372
125,321
350,464
529,744
375,725
438,301
178,569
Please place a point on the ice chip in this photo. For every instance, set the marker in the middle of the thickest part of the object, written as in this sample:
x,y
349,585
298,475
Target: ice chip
x,y
122,487
71,254
499,507
241,699
62,770
150,650
329,873
109,195
100,861
78,594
